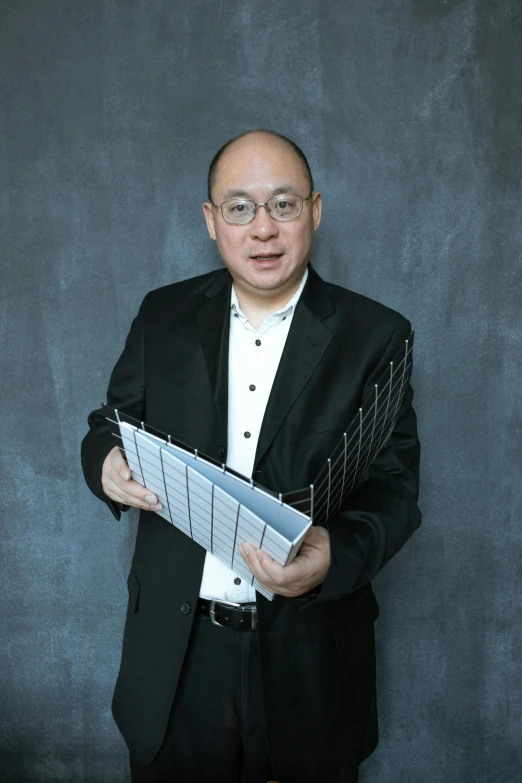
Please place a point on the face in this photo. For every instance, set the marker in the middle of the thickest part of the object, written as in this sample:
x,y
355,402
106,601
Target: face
x,y
266,257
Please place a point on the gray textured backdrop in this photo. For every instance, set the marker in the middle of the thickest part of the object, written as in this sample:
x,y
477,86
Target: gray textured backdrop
x,y
410,112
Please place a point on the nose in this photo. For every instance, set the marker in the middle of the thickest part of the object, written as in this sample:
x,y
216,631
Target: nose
x,y
263,226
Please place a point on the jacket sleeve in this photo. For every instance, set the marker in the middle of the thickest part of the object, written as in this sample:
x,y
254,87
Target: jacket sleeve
x,y
126,392
380,516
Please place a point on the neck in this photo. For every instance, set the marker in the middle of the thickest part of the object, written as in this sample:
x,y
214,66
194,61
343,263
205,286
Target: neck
x,y
258,308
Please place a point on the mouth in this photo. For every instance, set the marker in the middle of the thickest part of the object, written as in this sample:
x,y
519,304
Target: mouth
x,y
267,257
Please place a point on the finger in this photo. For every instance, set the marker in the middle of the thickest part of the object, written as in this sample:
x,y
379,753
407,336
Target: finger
x,y
134,488
119,465
289,580
115,492
274,571
251,558
293,572
129,500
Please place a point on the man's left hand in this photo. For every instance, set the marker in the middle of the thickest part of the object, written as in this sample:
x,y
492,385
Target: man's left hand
x,y
307,570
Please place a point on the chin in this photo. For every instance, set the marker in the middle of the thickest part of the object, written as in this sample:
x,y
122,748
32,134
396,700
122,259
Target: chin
x,y
277,273
267,278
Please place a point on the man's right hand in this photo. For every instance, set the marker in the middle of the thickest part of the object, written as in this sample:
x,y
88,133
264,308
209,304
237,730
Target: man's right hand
x,y
118,484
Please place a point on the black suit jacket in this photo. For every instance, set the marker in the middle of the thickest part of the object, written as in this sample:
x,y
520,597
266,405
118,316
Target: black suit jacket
x,y
317,651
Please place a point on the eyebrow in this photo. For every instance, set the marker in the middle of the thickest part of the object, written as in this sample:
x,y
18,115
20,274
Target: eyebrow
x,y
235,193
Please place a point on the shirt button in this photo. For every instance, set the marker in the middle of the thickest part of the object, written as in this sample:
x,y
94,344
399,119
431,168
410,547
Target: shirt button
x,y
185,608
252,387
247,434
237,581
236,315
258,342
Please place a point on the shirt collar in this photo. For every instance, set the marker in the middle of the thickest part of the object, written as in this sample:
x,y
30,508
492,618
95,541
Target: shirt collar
x,y
283,312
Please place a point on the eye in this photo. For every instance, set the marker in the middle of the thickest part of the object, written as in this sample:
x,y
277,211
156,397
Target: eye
x,y
237,209
286,204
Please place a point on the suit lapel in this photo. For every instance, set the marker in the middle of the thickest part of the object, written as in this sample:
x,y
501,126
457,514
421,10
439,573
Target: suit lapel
x,y
307,340
213,322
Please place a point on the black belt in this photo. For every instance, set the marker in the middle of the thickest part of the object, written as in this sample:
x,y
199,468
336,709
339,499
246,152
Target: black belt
x,y
240,617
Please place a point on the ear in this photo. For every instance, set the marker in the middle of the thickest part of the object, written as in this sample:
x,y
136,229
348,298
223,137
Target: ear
x,y
317,208
208,211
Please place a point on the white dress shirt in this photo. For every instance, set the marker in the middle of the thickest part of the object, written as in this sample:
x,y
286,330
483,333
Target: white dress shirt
x,y
252,364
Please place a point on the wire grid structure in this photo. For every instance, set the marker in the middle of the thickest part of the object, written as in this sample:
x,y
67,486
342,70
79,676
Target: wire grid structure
x,y
220,509
366,434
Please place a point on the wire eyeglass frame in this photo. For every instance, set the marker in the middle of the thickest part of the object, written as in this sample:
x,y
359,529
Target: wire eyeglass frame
x,y
262,204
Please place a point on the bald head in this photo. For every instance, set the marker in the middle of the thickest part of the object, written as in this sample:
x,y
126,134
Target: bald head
x,y
267,255
256,141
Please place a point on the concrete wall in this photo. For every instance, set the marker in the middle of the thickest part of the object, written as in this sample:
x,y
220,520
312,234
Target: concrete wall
x,y
410,113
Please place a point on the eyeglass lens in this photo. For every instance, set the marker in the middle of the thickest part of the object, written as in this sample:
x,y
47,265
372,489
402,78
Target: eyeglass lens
x,y
282,207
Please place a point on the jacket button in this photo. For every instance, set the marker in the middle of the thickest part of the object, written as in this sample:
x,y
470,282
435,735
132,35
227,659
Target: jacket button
x,y
185,608
221,451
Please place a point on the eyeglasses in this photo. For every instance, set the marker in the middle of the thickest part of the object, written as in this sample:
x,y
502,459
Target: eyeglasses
x,y
240,211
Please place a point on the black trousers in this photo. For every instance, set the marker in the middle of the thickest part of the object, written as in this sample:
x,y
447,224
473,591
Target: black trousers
x,y
216,731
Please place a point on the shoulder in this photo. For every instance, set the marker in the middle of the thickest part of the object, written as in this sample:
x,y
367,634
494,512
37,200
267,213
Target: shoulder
x,y
183,290
365,325
352,310
174,302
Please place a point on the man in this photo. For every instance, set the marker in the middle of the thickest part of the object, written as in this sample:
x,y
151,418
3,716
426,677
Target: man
x,y
263,365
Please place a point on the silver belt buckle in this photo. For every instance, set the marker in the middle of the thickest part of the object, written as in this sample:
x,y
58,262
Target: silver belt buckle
x,y
212,610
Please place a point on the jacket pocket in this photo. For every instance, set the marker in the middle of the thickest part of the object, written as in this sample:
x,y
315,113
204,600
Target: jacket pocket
x,y
338,420
361,613
134,591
